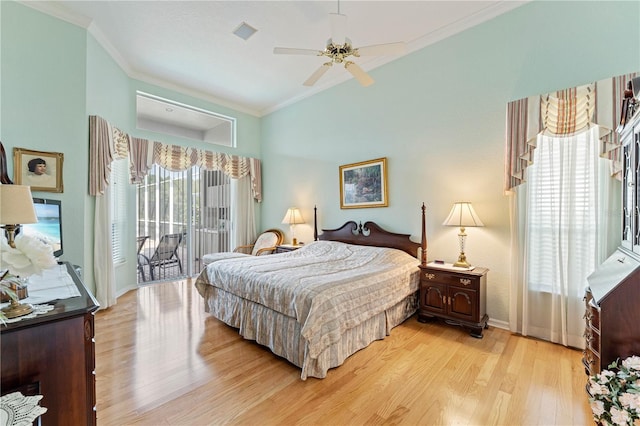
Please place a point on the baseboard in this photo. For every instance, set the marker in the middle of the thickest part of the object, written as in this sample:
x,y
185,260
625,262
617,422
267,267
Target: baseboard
x,y
498,324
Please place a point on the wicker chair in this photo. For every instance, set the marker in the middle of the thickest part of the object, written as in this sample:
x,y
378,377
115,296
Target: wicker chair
x,y
265,243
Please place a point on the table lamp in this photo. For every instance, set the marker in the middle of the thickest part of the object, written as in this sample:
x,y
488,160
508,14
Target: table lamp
x,y
462,215
16,207
292,218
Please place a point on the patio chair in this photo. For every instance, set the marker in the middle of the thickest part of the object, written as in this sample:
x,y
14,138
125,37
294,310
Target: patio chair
x,y
166,254
142,259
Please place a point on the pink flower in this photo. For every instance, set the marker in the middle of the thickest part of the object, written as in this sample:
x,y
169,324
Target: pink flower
x,y
632,363
619,417
598,408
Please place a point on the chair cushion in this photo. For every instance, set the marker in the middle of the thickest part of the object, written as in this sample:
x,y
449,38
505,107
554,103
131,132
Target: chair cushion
x,y
266,239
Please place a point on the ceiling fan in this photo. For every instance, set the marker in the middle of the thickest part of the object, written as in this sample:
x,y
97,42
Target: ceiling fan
x,y
339,50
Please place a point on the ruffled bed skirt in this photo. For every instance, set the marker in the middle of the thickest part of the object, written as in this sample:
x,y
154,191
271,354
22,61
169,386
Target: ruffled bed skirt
x,y
281,333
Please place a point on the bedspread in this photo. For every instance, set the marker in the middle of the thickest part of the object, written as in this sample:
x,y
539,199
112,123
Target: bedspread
x,y
328,287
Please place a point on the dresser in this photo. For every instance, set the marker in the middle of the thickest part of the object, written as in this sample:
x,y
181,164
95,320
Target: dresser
x,y
612,296
612,312
53,355
458,297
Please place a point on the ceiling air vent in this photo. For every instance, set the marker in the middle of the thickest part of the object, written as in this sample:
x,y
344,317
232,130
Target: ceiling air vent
x,y
244,31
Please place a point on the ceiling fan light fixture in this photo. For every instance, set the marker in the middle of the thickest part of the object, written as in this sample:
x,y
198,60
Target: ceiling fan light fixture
x,y
339,49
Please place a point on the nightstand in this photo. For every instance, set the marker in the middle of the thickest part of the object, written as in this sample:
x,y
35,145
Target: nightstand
x,y
284,248
456,296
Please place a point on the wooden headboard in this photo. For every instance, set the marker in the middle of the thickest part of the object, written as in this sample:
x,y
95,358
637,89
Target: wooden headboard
x,y
370,234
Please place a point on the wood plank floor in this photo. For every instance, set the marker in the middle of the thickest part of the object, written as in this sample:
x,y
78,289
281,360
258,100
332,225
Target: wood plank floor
x,y
161,360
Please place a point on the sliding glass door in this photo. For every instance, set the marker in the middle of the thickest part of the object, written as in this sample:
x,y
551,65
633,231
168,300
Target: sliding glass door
x,y
181,217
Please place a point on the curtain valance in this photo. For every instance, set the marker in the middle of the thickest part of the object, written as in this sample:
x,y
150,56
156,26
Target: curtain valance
x,y
108,143
568,111
563,113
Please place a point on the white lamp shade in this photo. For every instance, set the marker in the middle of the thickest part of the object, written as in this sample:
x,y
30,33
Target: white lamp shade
x,y
293,216
16,205
463,215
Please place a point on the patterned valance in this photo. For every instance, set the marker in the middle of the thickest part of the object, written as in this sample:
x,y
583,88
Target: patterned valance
x,y
568,111
563,113
108,143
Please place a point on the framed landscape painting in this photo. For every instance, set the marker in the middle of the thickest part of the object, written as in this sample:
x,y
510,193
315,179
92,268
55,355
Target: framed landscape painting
x,y
364,184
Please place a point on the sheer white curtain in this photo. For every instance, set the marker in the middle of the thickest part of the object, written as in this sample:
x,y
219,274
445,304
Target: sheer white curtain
x,y
243,212
560,221
103,268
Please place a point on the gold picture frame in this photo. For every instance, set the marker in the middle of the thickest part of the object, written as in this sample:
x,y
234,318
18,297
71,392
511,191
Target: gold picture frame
x,y
40,170
364,184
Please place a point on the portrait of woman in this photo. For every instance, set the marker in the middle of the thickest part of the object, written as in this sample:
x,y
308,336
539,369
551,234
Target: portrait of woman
x,y
42,171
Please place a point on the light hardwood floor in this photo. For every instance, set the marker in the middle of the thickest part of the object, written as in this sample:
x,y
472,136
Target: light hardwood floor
x,y
161,360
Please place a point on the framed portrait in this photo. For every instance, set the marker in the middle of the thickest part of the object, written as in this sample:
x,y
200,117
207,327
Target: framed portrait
x,y
364,184
42,171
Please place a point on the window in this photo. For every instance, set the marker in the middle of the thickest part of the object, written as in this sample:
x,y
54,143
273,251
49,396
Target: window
x,y
118,188
562,225
173,118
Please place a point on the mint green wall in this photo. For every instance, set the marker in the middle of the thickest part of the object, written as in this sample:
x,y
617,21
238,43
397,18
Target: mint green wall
x,y
438,115
53,76
43,106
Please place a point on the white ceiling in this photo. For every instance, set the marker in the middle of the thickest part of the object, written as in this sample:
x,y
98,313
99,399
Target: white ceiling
x,y
189,46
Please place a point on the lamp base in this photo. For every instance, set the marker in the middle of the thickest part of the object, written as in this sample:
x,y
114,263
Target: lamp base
x,y
294,241
17,309
462,262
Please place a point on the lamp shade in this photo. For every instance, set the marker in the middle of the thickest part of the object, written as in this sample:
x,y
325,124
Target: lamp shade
x,y
463,215
16,205
293,216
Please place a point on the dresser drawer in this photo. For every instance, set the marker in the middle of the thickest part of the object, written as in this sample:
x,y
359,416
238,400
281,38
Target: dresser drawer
x,y
592,339
591,362
466,281
592,315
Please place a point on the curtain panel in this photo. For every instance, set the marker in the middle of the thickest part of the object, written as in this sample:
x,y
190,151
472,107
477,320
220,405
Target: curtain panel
x,y
563,113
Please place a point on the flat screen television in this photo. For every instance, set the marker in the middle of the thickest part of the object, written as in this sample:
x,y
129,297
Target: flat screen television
x,y
49,226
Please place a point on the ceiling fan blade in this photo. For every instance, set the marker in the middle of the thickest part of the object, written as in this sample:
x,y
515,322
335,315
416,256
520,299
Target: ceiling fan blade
x,y
338,28
317,74
383,49
364,78
294,51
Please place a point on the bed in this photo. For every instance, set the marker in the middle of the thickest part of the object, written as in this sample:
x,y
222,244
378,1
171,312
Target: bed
x,y
321,303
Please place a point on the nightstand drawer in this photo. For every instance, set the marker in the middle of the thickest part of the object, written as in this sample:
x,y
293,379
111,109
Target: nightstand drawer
x,y
445,277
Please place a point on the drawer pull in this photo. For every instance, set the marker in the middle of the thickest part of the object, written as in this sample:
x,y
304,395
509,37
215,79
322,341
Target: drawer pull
x,y
465,281
430,276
